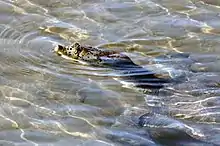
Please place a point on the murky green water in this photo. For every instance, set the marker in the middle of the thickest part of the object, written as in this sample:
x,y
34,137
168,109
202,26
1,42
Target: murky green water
x,y
41,93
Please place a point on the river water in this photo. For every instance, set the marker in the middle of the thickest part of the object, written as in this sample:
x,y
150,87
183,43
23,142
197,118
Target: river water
x,y
47,100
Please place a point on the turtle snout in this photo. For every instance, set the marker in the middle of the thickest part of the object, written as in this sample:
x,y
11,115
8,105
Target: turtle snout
x,y
58,48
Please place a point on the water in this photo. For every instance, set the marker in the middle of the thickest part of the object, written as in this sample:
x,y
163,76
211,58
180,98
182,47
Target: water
x,y
47,100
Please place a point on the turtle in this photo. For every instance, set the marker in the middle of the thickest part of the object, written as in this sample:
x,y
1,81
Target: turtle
x,y
160,127
131,73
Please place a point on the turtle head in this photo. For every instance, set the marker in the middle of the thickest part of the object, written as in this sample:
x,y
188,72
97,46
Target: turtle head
x,y
72,51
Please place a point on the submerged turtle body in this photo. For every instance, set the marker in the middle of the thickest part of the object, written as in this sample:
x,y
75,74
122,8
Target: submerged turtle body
x,y
131,73
161,128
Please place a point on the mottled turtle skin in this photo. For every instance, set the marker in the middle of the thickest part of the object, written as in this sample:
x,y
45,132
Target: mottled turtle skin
x,y
93,56
129,71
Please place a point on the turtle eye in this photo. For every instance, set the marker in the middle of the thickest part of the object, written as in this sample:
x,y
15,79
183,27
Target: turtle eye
x,y
60,47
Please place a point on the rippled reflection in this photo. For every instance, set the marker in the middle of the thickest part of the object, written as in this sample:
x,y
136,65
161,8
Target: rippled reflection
x,y
47,100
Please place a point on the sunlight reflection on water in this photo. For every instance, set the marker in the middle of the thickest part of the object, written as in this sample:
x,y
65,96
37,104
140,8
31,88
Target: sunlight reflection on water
x,y
42,93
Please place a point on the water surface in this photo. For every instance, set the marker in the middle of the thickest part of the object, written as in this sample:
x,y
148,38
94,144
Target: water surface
x,y
41,93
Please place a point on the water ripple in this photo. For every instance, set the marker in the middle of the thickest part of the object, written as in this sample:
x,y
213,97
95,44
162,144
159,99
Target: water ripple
x,y
47,100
